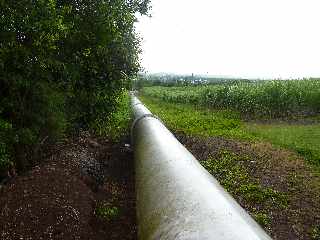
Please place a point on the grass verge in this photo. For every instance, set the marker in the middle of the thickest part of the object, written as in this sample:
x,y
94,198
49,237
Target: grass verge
x,y
304,139
197,121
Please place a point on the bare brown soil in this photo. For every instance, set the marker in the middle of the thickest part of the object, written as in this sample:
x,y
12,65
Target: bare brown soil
x,y
59,198
279,169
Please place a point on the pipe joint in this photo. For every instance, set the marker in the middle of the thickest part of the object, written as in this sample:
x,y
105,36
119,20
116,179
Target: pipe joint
x,y
135,122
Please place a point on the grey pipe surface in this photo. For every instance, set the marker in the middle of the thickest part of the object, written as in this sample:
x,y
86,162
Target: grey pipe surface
x,y
176,197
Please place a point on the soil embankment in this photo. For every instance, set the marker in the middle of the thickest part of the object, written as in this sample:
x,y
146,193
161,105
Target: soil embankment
x,y
83,191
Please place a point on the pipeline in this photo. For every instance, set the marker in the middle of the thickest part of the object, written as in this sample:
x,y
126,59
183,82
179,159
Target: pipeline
x,y
176,197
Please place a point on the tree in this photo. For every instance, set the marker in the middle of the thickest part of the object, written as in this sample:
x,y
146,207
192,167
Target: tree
x,y
63,64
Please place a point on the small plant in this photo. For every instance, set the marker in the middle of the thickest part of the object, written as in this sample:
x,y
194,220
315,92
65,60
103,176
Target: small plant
x,y
315,235
256,193
107,212
228,169
262,218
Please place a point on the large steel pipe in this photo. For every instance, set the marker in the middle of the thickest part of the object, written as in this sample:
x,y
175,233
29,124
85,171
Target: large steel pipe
x,y
176,197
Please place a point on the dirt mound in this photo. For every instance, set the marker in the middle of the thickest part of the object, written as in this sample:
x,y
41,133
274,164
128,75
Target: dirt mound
x,y
60,199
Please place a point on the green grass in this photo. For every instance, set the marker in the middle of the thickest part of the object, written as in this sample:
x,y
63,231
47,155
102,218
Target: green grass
x,y
304,139
197,121
262,218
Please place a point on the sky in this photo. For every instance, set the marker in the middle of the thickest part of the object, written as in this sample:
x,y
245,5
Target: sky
x,y
236,38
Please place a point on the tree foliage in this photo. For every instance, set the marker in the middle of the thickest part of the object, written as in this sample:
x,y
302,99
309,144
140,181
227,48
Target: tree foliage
x,y
63,64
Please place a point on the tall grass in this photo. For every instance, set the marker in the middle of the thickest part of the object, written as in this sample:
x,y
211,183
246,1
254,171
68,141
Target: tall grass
x,y
278,98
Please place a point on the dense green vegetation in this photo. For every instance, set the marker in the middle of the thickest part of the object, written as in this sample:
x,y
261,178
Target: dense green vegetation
x,y
115,124
64,65
267,99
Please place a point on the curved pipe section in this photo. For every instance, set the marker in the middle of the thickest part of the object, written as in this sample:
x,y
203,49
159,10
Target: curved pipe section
x,y
176,197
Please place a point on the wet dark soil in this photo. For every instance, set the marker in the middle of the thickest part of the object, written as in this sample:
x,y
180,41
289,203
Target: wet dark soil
x,y
59,198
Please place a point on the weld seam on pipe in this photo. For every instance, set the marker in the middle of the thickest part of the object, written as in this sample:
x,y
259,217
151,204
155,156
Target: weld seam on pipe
x,y
143,116
137,104
140,118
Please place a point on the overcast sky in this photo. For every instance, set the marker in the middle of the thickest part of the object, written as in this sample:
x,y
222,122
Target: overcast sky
x,y
240,38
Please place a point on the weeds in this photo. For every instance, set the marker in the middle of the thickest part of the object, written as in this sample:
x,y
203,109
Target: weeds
x,y
263,219
316,233
107,212
229,170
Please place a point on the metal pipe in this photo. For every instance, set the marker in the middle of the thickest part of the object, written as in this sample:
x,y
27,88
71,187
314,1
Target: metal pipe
x,y
176,197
